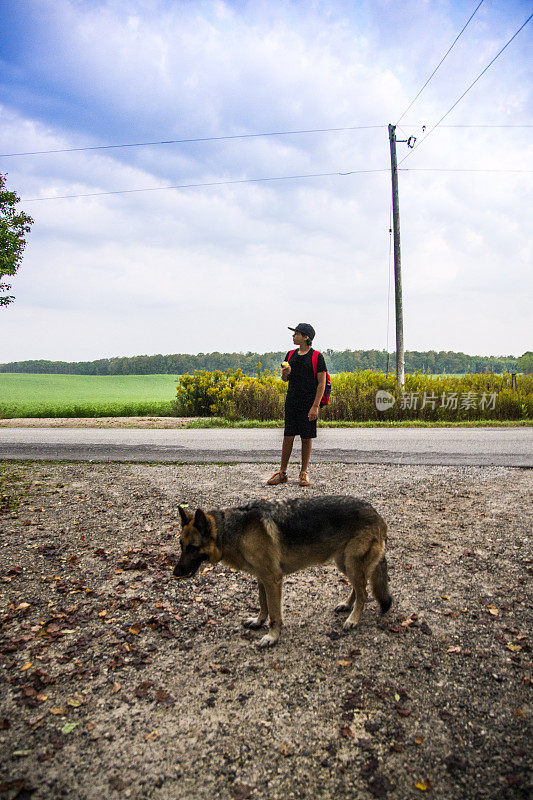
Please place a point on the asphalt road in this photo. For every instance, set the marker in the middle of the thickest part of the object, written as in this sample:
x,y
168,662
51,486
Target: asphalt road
x,y
509,447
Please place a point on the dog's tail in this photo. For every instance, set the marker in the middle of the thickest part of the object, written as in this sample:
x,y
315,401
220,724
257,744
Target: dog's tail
x,y
379,580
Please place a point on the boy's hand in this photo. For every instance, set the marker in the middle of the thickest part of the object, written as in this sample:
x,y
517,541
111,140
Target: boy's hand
x,y
285,369
313,413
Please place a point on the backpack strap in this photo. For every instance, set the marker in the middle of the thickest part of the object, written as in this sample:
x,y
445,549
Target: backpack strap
x,y
314,359
291,354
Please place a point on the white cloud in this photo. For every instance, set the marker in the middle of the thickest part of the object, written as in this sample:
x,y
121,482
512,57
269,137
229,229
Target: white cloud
x,y
230,267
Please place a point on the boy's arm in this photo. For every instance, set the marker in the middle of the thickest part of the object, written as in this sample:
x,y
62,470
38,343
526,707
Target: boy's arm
x,y
285,369
313,412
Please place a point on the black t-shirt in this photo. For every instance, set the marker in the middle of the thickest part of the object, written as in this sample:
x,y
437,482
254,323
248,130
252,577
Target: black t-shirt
x,y
302,381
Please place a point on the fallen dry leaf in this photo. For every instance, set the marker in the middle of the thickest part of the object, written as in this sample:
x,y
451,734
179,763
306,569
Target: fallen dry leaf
x,y
403,712
241,791
286,749
162,696
36,721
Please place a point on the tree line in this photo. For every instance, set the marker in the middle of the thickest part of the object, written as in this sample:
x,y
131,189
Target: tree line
x,y
337,361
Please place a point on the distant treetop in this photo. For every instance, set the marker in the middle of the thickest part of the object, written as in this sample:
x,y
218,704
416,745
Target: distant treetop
x,y
337,361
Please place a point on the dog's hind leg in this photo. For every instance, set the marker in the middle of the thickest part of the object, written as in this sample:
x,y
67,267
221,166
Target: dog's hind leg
x,y
358,581
273,596
359,570
348,604
259,621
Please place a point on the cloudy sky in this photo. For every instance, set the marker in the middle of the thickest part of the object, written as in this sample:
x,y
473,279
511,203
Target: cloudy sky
x,y
228,267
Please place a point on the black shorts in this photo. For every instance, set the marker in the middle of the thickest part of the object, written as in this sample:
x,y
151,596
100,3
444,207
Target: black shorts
x,y
297,423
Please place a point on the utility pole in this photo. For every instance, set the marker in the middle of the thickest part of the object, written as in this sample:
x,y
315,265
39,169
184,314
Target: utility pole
x,y
400,377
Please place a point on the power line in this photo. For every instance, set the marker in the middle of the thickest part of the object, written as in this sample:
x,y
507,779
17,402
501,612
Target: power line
x,y
459,169
189,141
468,89
242,136
263,180
496,125
213,183
443,59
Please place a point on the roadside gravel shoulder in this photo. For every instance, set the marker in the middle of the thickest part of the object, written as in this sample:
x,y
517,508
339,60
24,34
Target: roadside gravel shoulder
x,y
96,422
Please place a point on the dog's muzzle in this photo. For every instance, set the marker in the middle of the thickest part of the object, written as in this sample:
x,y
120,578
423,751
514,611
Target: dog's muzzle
x,y
189,568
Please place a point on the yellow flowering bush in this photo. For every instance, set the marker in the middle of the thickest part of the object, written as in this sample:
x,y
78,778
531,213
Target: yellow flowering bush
x,y
430,397
233,395
204,393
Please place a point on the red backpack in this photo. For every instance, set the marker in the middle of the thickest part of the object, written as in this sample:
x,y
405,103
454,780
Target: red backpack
x,y
327,390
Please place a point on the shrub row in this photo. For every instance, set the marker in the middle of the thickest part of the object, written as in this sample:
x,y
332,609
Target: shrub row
x,y
233,395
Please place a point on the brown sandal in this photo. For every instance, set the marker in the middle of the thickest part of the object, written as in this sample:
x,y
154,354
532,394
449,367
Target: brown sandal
x,y
304,479
277,477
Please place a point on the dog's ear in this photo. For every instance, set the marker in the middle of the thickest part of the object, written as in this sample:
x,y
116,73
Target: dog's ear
x,y
185,516
200,522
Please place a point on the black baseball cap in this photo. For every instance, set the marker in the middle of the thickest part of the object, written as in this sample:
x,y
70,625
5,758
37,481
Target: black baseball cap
x,y
305,328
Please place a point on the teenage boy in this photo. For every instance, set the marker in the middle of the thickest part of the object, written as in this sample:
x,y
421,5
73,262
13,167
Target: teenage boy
x,y
303,400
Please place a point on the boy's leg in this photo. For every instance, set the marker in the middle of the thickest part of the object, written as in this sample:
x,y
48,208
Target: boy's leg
x,y
306,453
286,451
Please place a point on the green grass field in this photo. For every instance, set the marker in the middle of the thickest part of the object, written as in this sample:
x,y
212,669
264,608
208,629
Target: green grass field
x,y
29,395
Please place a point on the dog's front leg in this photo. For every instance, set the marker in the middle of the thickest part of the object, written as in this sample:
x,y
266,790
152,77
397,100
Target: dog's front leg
x,y
273,596
259,621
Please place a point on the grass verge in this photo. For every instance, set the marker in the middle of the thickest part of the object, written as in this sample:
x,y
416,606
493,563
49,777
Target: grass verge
x,y
39,410
220,422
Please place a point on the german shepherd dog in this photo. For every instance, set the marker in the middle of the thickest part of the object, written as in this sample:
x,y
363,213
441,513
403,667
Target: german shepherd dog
x,y
272,539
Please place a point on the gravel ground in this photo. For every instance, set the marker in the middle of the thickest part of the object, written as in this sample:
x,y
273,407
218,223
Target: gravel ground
x,y
118,682
96,422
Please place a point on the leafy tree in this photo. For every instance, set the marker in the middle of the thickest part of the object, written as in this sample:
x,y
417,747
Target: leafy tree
x,y
525,362
14,225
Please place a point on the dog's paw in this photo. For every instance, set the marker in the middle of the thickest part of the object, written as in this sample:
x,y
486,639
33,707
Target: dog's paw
x,y
342,607
254,623
349,624
268,641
